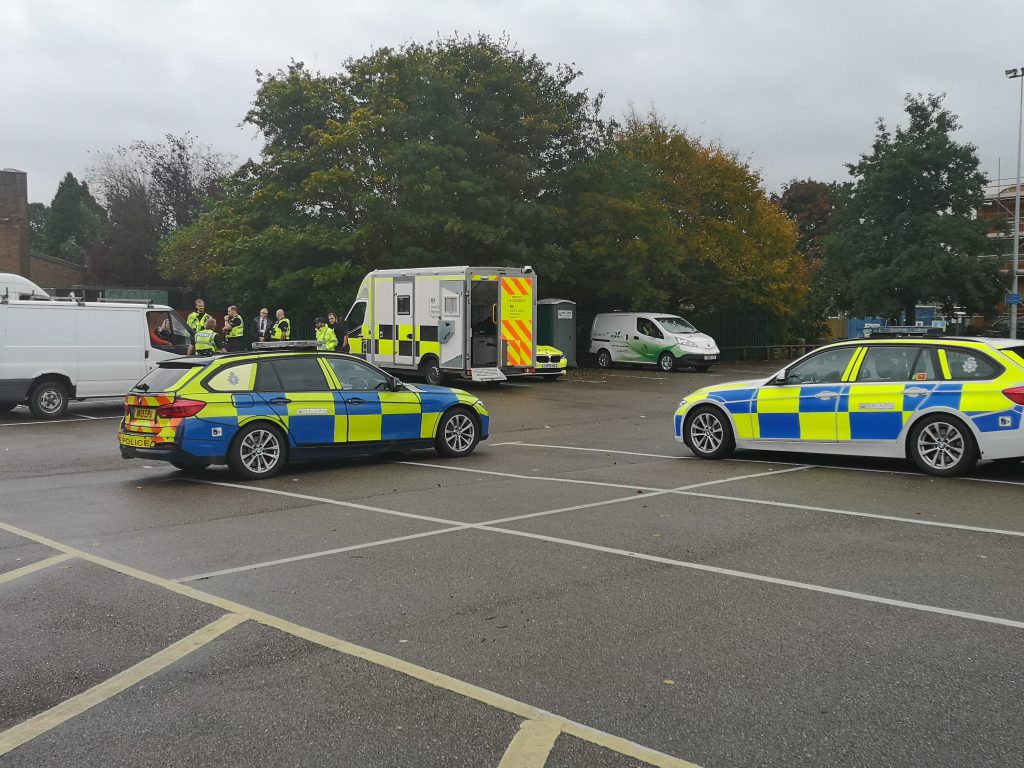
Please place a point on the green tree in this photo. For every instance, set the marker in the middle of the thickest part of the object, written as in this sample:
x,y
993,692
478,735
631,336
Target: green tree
x,y
812,205
908,230
451,152
38,215
661,221
72,226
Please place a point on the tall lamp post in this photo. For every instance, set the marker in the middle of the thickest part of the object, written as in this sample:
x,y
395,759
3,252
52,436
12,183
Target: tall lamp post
x,y
1016,73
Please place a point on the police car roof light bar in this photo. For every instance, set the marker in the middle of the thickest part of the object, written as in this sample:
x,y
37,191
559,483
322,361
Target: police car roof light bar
x,y
285,346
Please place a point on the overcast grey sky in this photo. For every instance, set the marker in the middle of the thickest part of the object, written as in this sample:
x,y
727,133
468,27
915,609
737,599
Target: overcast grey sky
x,y
794,87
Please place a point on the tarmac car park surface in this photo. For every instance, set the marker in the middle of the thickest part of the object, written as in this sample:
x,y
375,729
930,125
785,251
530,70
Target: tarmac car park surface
x,y
578,592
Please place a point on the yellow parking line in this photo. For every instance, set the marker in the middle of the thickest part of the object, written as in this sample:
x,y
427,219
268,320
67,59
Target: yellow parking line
x,y
532,744
437,679
51,718
17,574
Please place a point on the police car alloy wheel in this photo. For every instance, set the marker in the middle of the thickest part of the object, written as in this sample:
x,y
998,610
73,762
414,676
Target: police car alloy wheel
x,y
49,400
257,451
943,445
708,433
666,362
457,434
604,359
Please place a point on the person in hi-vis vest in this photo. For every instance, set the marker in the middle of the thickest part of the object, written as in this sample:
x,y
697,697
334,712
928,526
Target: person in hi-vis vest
x,y
234,330
281,328
207,341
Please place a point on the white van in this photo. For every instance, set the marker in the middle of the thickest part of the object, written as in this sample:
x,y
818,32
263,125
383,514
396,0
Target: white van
x,y
56,350
650,338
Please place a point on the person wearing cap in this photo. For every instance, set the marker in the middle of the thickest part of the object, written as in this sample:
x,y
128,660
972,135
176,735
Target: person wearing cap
x,y
325,335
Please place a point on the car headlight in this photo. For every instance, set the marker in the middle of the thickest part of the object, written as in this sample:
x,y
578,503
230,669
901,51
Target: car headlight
x,y
686,342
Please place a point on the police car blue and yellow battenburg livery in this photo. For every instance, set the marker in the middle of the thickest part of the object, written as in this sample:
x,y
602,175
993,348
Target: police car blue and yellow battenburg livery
x,y
945,403
257,410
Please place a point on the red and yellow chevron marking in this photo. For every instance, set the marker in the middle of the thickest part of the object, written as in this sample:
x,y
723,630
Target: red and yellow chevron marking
x,y
517,320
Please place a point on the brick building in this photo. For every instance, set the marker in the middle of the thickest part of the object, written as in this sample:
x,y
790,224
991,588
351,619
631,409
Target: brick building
x,y
15,256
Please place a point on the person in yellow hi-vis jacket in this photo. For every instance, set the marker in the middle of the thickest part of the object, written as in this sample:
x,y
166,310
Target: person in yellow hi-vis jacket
x,y
282,328
325,335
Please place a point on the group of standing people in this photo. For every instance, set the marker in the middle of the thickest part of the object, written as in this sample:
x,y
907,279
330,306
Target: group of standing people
x,y
230,336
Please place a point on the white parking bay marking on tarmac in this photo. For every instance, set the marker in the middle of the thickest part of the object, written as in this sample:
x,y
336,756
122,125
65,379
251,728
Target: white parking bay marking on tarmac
x,y
765,579
688,491
58,421
862,596
743,460
455,525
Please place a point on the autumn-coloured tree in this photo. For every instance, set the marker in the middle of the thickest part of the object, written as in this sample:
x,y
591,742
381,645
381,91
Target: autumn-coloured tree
x,y
663,221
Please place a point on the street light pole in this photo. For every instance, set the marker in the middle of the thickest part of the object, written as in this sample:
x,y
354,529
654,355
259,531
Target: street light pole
x,y
1016,73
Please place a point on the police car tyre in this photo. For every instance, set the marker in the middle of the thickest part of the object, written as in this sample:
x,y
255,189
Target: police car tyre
x,y
430,370
667,362
708,433
457,433
943,445
49,400
258,451
604,359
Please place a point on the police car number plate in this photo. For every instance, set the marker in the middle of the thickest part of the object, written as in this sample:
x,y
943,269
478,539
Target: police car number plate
x,y
145,414
136,441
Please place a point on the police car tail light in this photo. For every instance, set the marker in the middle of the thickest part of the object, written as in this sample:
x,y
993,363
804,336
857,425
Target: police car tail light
x,y
1016,394
180,409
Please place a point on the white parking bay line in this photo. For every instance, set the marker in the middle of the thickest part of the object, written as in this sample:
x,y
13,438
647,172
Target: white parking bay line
x,y
593,450
757,577
58,421
767,579
455,525
688,491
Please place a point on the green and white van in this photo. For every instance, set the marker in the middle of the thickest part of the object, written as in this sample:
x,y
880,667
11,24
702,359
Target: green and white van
x,y
651,338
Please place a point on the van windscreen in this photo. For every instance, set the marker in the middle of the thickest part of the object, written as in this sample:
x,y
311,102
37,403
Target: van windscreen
x,y
165,378
676,325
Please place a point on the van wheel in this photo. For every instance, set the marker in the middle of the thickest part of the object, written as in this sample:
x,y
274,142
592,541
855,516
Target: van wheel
x,y
49,400
667,362
943,446
430,370
604,359
708,433
457,434
257,452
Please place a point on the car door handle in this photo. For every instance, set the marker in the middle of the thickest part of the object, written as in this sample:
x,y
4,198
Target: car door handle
x,y
355,400
280,400
826,395
915,391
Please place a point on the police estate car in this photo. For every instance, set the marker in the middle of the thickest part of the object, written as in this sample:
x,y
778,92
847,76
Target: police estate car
x,y
255,411
945,403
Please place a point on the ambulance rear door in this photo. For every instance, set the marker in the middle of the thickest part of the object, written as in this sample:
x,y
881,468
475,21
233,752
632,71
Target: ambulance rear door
x,y
517,320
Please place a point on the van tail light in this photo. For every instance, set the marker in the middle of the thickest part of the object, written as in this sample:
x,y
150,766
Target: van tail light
x,y
1016,394
180,409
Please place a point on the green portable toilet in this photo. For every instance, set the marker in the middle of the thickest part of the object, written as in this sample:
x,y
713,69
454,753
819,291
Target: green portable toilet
x,y
556,326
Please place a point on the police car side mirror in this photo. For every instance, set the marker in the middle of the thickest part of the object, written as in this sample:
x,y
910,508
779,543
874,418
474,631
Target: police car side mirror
x,y
780,378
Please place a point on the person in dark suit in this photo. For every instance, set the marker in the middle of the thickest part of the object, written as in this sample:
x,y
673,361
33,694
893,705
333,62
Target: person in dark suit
x,y
262,326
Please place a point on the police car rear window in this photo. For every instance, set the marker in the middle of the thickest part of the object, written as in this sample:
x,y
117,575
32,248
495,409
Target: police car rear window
x,y
1015,353
165,379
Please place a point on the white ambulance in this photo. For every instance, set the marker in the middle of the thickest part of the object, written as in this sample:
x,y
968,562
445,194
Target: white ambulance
x,y
470,322
56,350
